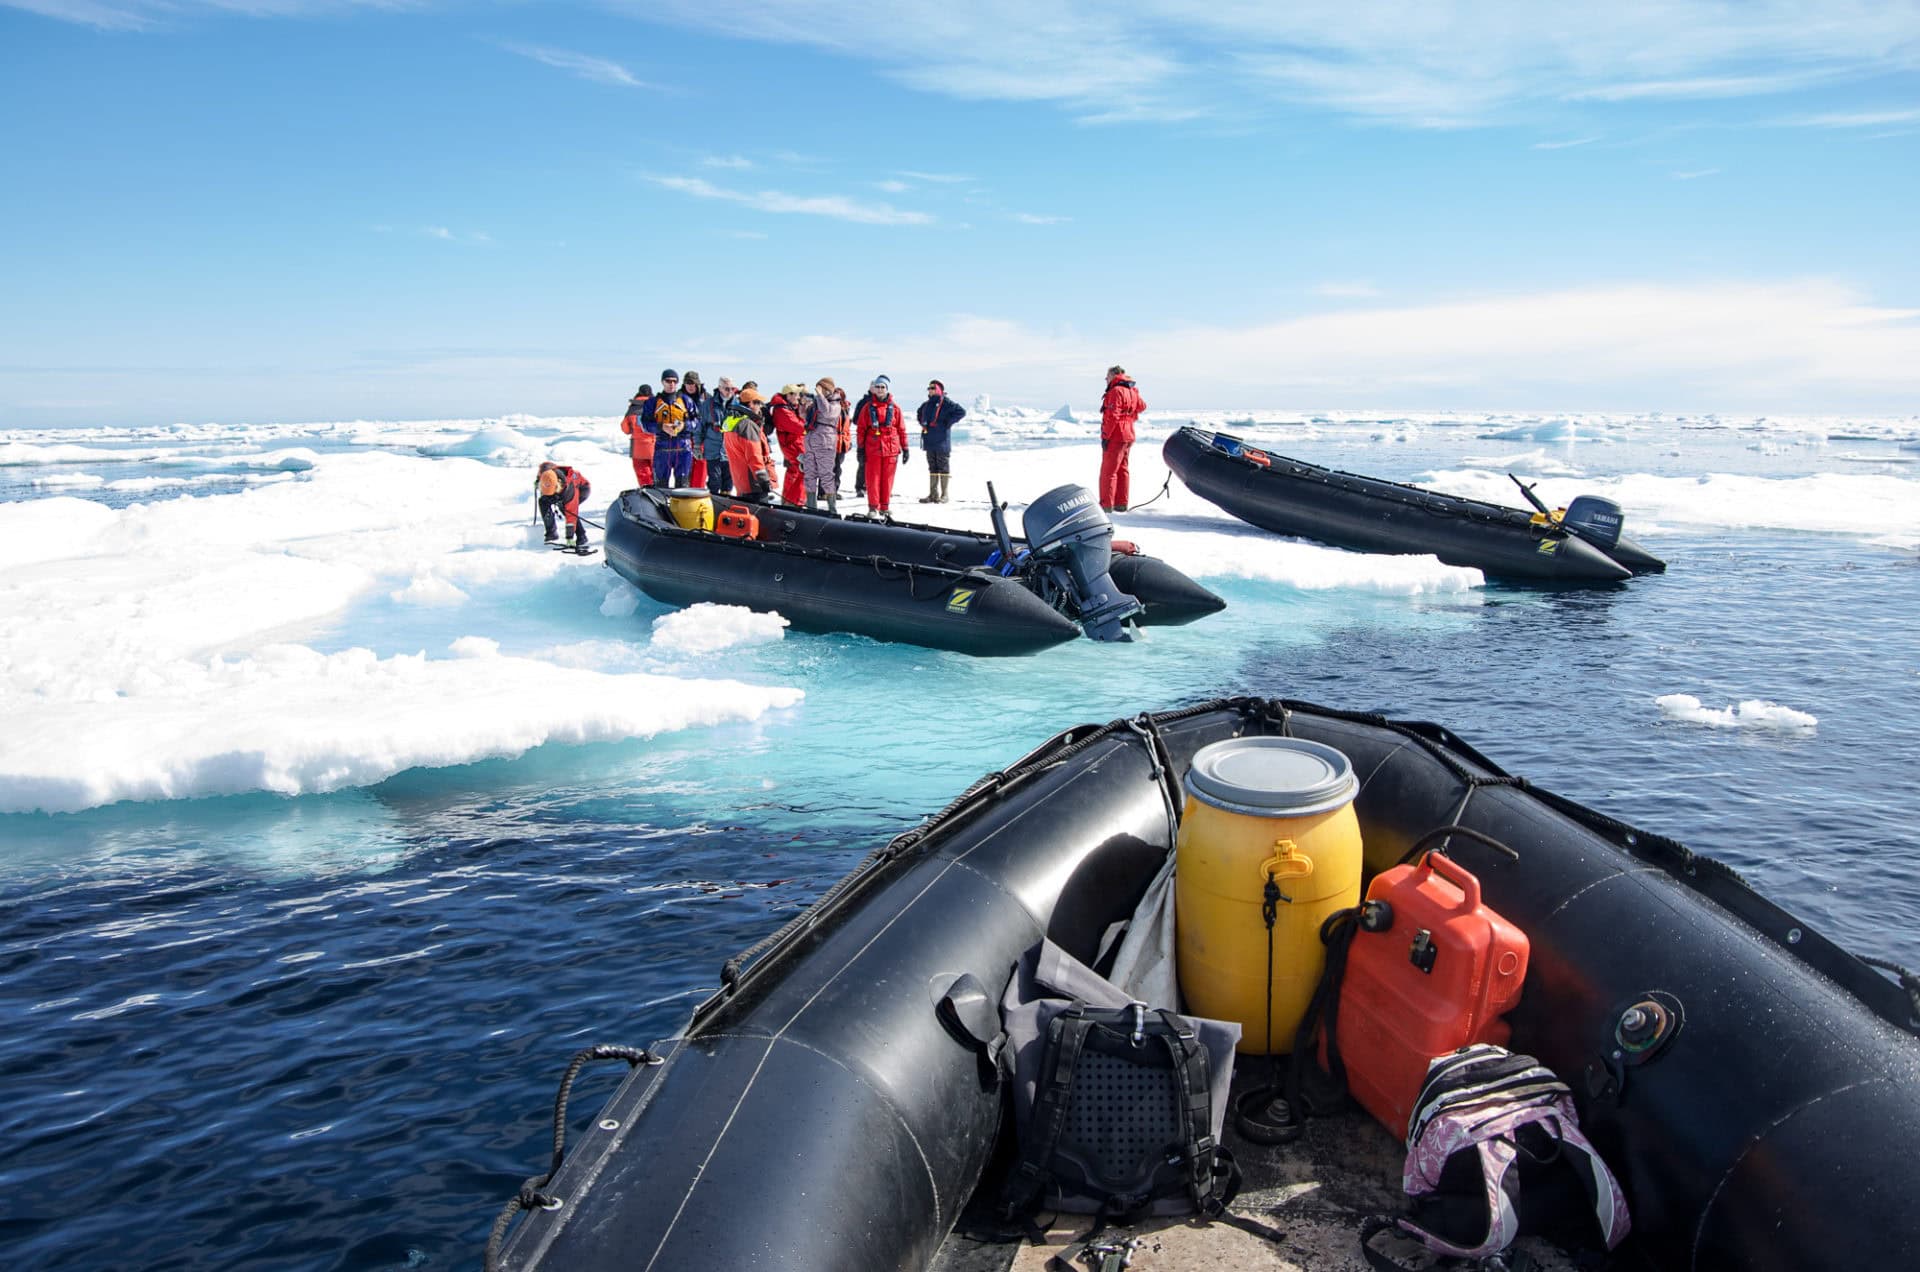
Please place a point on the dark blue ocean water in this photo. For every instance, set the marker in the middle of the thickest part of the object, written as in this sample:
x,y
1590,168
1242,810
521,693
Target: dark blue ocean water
x,y
325,1032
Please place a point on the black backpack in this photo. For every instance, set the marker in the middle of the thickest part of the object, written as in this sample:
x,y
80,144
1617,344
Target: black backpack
x,y
1122,1118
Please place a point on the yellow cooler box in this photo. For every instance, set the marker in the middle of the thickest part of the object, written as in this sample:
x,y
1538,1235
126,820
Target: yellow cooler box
x,y
1261,809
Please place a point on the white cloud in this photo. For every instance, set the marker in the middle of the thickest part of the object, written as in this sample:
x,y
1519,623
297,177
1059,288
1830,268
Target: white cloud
x,y
587,67
726,161
1696,173
1563,145
1856,119
829,205
892,187
1347,291
1410,62
1034,218
938,178
1765,346
1701,87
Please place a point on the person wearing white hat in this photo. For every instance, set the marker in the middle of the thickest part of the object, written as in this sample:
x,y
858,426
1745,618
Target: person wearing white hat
x,y
882,437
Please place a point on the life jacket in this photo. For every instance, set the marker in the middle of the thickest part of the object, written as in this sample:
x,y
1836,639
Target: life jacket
x,y
876,421
669,415
1495,1152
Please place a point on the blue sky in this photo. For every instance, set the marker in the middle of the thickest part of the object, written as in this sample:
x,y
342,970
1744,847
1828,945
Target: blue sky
x,y
310,210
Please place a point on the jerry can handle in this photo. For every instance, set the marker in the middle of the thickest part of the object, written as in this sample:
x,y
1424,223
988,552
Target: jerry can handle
x,y
1458,875
1287,863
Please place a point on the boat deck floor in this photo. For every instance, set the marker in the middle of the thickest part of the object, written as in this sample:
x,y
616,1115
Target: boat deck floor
x,y
1316,1191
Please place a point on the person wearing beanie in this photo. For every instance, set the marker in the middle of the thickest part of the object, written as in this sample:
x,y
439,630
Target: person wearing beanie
x,y
668,417
639,440
938,414
699,406
1120,410
860,473
883,440
750,462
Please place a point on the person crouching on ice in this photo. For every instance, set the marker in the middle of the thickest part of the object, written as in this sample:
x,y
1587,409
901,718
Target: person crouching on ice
x,y
640,440
563,489
883,440
748,459
938,415
1120,409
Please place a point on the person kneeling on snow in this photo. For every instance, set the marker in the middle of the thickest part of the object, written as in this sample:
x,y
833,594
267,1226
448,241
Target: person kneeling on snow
x,y
562,488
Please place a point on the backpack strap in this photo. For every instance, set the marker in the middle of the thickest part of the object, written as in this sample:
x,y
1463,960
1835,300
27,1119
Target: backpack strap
x,y
1066,1035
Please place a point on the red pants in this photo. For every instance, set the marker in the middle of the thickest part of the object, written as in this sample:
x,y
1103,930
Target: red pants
x,y
793,487
880,469
1113,473
643,459
699,474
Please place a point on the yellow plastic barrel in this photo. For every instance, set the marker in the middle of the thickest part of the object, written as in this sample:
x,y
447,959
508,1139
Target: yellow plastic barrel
x,y
1260,808
692,508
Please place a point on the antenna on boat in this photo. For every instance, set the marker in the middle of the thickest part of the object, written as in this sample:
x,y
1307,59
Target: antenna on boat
x,y
1531,497
1000,525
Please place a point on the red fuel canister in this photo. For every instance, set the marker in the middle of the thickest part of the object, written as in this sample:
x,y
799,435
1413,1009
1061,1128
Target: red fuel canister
x,y
737,523
1437,976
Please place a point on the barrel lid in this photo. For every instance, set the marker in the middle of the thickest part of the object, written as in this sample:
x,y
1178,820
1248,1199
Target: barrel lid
x,y
1272,777
689,492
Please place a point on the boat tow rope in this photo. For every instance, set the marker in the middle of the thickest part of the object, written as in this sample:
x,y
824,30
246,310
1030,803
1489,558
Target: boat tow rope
x,y
530,1197
1908,981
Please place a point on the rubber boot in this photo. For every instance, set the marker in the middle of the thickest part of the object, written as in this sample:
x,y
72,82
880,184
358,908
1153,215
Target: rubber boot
x,y
812,500
944,479
833,504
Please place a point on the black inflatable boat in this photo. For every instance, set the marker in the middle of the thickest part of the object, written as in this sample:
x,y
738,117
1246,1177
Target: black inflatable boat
x,y
816,1114
947,589
1580,544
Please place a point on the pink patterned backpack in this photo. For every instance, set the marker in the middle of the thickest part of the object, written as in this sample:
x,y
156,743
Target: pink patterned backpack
x,y
1494,1152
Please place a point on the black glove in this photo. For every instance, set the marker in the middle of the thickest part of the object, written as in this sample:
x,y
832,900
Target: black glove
x,y
905,455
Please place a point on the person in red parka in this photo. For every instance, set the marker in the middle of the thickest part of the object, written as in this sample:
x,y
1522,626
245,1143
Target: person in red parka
x,y
642,441
788,415
882,431
1119,409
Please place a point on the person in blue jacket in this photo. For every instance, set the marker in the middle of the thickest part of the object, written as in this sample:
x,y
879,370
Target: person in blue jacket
x,y
670,417
938,415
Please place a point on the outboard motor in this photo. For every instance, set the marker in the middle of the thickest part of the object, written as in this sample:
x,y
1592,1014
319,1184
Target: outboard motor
x,y
1594,519
1072,541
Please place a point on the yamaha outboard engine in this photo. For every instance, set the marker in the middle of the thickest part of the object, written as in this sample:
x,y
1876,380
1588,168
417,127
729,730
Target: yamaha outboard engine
x,y
1594,519
1072,541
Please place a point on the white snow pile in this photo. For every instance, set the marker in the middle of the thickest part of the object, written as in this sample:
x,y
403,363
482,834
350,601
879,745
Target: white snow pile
x,y
76,481
1536,431
239,642
495,444
1754,713
707,628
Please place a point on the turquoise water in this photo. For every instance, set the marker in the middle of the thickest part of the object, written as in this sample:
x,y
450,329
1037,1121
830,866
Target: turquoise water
x,y
323,1032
